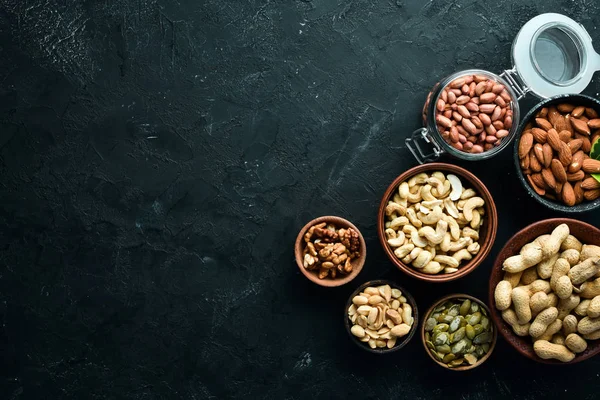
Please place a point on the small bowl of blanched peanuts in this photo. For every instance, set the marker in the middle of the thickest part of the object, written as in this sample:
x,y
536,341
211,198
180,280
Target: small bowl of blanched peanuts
x,y
437,222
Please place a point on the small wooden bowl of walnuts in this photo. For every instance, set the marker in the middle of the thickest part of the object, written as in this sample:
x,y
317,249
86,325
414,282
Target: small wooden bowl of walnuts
x,y
330,251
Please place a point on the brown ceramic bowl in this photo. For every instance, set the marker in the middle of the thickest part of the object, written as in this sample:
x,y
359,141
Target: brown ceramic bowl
x,y
487,233
341,279
586,233
404,340
430,311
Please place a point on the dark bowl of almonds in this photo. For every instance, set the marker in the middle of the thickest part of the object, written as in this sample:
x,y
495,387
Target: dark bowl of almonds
x,y
330,251
557,153
458,333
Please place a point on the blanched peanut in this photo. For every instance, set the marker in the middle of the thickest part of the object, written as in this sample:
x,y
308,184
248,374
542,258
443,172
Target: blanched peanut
x,y
547,350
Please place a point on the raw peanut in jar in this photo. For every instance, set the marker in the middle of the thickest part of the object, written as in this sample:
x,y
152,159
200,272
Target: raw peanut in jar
x,y
474,113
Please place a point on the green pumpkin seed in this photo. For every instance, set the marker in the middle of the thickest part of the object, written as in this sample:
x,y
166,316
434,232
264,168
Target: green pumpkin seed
x,y
440,328
430,324
444,349
455,324
470,332
463,322
485,347
441,338
454,310
439,308
437,355
460,346
458,335
478,329
479,352
483,311
485,337
456,363
474,307
485,322
464,307
474,319
448,358
470,358
430,345
471,349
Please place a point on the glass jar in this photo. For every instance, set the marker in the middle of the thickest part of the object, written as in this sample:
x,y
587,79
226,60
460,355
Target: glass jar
x,y
551,55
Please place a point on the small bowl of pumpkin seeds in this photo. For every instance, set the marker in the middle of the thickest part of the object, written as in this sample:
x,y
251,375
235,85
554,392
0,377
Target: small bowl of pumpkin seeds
x,y
458,333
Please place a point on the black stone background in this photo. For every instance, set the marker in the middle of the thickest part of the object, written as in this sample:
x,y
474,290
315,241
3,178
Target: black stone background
x,y
157,159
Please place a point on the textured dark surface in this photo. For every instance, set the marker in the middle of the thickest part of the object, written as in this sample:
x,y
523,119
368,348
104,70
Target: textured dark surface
x,y
158,157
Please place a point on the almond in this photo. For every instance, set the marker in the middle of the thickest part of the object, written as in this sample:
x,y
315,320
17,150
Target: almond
x,y
578,111
554,140
591,113
580,126
543,123
558,189
568,195
575,145
590,184
549,178
565,136
576,162
553,115
524,162
537,189
578,192
591,195
547,150
561,124
538,150
591,166
525,144
564,154
594,123
575,176
534,163
586,145
565,107
542,113
539,135
539,180
558,170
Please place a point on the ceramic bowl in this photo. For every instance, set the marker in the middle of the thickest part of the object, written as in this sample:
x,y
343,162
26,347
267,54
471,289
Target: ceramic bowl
x,y
404,340
576,99
430,311
586,233
357,263
487,233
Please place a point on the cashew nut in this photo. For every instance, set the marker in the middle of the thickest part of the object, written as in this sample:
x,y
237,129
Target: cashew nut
x,y
472,233
467,194
412,217
470,205
415,197
398,240
398,222
439,175
457,188
437,184
426,193
431,203
433,267
414,253
403,190
403,251
453,225
414,236
445,245
462,255
447,260
433,217
476,221
392,208
435,236
460,244
450,206
422,259
473,248
390,233
418,179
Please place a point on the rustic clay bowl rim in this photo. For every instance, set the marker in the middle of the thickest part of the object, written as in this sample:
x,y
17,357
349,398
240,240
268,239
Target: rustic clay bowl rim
x,y
524,345
357,264
486,241
553,205
481,304
405,339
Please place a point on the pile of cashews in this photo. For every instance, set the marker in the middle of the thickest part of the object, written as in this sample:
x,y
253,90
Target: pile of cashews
x,y
433,221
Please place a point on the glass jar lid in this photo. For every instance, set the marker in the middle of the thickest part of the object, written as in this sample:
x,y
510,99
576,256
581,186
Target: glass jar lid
x,y
553,55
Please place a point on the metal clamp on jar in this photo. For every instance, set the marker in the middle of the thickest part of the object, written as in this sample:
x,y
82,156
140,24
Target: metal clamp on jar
x,y
474,114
